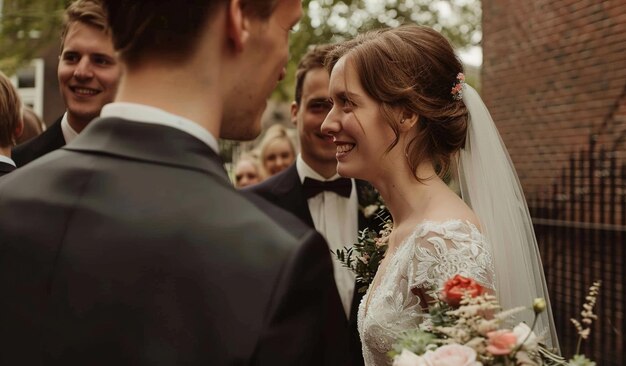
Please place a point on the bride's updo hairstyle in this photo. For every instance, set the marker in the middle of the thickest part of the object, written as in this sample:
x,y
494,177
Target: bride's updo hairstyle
x,y
412,69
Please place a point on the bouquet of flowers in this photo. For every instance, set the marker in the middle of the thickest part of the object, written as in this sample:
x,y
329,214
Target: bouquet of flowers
x,y
466,328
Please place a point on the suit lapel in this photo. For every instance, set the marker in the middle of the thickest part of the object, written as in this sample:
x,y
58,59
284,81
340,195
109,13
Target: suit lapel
x,y
290,195
51,139
368,196
148,142
55,138
6,168
360,197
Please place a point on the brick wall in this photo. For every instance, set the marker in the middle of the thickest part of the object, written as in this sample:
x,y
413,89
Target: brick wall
x,y
554,79
554,75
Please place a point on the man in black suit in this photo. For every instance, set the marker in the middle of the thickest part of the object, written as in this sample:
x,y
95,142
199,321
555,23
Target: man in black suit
x,y
311,189
145,254
88,75
11,123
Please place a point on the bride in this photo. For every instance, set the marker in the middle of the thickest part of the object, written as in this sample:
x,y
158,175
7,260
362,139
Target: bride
x,y
402,116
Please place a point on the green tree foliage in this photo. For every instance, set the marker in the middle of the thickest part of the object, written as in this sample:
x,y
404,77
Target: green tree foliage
x,y
329,21
26,26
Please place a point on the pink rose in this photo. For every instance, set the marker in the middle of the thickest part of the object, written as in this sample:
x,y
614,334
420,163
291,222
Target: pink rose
x,y
408,358
501,342
451,355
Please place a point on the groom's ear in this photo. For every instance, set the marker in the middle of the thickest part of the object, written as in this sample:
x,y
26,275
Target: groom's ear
x,y
238,25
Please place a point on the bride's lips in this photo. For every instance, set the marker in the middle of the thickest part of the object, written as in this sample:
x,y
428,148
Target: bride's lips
x,y
343,149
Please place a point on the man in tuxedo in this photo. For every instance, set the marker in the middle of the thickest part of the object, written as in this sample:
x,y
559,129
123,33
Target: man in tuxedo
x,y
11,123
88,75
312,190
145,254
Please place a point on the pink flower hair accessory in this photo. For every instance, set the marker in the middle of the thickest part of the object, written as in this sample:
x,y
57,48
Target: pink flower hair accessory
x,y
457,87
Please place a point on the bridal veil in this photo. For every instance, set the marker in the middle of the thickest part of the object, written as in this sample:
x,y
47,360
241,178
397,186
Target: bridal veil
x,y
490,186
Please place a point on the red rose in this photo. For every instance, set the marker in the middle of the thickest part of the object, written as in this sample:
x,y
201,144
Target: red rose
x,y
456,287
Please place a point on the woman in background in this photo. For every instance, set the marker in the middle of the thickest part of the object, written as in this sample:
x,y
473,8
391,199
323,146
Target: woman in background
x,y
277,151
247,171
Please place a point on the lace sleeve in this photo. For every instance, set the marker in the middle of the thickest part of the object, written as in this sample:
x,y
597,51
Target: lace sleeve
x,y
442,250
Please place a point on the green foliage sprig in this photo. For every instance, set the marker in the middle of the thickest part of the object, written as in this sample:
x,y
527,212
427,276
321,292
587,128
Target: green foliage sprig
x,y
365,256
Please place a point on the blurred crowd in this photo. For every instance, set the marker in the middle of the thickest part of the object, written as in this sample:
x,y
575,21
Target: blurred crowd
x,y
275,152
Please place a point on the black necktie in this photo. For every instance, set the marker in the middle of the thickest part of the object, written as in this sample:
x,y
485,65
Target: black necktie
x,y
313,187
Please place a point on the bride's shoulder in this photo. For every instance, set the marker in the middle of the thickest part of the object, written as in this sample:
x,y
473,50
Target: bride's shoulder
x,y
447,227
451,214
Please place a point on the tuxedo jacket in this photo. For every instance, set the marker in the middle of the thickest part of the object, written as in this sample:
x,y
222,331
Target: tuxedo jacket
x,y
5,168
285,190
144,254
49,140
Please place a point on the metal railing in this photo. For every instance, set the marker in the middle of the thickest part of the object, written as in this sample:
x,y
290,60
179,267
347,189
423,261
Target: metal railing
x,y
581,231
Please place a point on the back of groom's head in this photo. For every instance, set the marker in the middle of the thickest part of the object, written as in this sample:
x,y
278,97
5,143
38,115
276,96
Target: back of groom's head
x,y
165,29
218,59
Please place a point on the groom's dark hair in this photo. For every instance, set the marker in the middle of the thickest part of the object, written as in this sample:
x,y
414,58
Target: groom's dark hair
x,y
312,59
167,30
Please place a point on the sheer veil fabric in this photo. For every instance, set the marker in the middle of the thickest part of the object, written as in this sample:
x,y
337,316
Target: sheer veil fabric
x,y
490,186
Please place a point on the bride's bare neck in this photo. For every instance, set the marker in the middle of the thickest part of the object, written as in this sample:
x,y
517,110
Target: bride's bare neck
x,y
404,195
411,202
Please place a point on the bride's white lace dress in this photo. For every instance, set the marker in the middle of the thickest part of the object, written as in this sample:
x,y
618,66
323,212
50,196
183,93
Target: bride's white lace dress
x,y
432,254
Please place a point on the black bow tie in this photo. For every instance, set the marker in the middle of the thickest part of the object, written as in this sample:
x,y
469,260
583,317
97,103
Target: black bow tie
x,y
313,187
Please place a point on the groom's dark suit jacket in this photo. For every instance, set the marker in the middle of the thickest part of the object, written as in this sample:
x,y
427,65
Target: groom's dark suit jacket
x,y
285,190
51,139
144,254
5,168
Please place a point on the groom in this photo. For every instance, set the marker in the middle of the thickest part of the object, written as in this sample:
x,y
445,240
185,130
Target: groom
x,y
144,253
312,189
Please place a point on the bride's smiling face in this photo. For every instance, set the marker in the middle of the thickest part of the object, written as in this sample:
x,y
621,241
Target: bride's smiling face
x,y
356,124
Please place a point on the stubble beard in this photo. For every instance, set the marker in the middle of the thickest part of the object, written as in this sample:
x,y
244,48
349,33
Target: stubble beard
x,y
237,129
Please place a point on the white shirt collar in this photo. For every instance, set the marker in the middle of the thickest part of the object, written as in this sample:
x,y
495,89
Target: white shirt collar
x,y
147,114
68,132
6,159
304,170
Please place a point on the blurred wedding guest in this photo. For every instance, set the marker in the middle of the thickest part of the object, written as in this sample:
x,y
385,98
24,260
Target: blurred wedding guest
x,y
11,124
88,75
33,125
312,190
276,150
145,254
247,171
